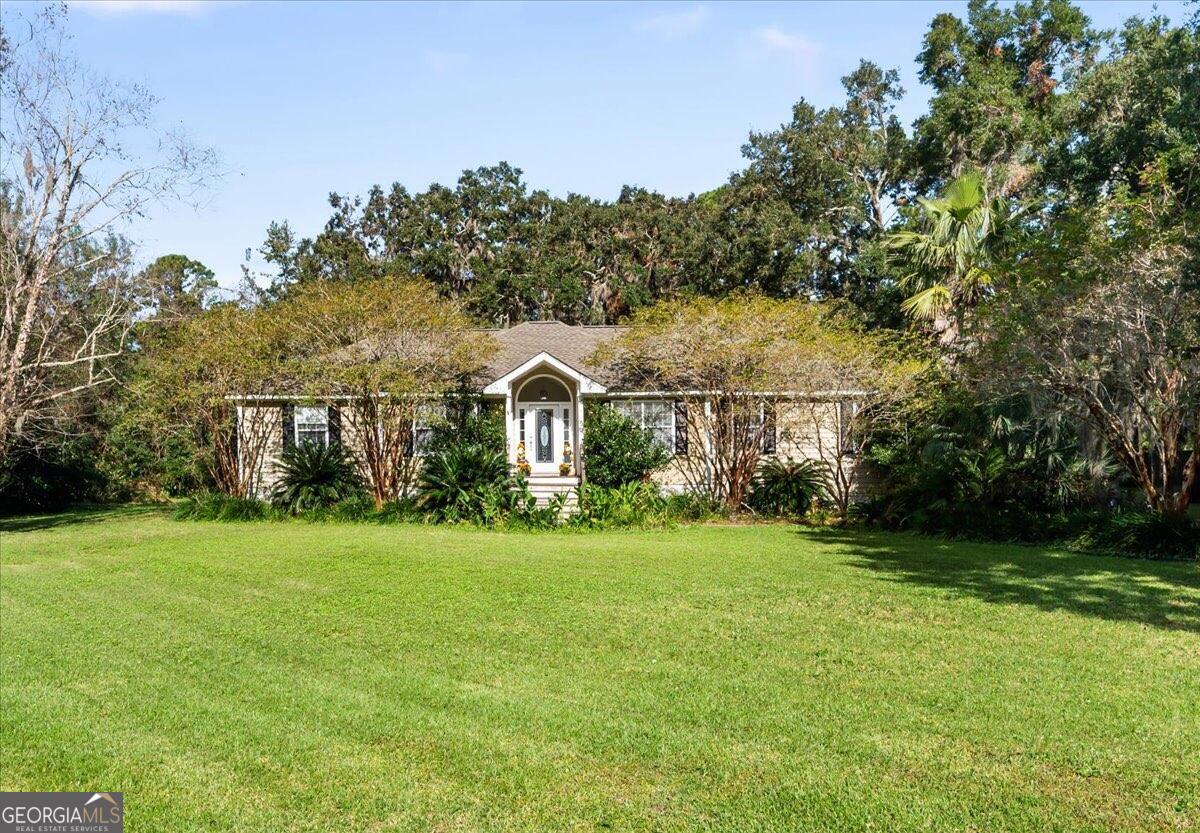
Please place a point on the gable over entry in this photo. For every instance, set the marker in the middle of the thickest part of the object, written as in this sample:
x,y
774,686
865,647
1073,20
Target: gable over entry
x,y
543,415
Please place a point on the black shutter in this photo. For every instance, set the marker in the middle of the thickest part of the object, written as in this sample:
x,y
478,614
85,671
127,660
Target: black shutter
x,y
681,428
768,435
289,426
335,425
408,440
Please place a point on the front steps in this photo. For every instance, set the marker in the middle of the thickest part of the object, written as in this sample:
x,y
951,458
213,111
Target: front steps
x,y
543,487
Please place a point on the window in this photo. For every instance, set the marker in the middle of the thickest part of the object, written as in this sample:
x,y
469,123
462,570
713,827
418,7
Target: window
x,y
428,416
750,418
655,415
312,425
545,431
757,419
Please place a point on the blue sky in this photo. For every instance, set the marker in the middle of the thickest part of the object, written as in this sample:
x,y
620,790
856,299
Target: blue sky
x,y
301,99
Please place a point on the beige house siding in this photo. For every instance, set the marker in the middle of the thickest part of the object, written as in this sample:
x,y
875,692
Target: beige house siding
x,y
271,416
795,438
803,431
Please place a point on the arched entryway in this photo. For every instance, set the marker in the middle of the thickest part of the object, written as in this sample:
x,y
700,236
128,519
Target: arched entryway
x,y
543,411
545,406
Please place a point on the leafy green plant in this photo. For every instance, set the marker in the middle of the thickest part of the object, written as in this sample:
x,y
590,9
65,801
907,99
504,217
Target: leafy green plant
x,y
638,504
696,506
216,506
466,482
619,451
517,510
1144,534
314,476
484,428
788,487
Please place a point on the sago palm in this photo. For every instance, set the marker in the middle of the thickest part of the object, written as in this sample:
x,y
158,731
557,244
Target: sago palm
x,y
950,254
314,476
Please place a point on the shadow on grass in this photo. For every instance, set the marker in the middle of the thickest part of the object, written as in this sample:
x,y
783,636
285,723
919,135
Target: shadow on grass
x,y
1158,594
72,517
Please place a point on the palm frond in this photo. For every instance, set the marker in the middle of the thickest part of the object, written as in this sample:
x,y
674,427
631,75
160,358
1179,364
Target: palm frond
x,y
929,304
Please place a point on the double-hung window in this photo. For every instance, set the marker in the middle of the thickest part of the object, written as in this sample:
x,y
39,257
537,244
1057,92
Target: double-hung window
x,y
312,425
428,416
655,415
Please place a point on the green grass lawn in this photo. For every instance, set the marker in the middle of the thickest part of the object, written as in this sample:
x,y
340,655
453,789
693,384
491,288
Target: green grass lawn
x,y
263,677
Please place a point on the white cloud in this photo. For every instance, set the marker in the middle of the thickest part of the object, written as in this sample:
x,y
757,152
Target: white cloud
x,y
797,50
675,24
442,61
109,8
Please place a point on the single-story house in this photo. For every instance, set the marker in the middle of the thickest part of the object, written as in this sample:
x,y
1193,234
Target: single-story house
x,y
542,374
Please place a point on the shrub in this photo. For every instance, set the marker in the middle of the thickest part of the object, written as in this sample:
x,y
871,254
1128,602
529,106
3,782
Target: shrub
x,y
516,509
787,487
484,428
638,504
50,478
468,482
1145,534
214,506
696,506
619,451
314,476
361,509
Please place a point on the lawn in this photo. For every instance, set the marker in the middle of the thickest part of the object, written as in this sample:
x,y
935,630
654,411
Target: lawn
x,y
263,677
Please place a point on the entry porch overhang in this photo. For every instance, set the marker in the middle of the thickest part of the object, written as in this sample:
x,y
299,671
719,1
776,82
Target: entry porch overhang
x,y
543,416
585,385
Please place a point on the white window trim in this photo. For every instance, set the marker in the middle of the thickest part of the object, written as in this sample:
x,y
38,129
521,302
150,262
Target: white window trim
x,y
296,423
621,406
425,420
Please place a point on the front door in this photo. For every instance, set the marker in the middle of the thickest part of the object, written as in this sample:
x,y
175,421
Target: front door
x,y
544,432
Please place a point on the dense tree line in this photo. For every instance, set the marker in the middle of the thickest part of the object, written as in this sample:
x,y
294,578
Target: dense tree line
x,y
1035,228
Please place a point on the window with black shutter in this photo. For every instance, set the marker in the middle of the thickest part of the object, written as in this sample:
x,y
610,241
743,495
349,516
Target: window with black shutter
x,y
289,425
768,434
312,424
681,428
335,425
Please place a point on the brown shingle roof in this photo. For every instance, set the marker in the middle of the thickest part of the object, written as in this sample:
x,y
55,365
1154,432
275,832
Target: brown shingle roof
x,y
572,345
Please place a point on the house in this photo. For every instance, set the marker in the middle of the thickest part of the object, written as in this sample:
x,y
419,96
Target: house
x,y
543,377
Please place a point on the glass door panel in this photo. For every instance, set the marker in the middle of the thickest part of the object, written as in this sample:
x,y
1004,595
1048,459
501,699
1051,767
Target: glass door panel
x,y
545,435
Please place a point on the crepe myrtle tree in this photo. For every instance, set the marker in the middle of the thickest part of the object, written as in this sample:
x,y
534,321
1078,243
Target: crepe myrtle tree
x,y
732,362
379,349
857,381
194,382
1103,317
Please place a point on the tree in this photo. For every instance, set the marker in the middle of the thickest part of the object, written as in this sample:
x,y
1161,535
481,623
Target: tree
x,y
836,173
1104,316
178,287
192,386
998,86
951,253
860,382
1138,107
377,349
69,182
732,362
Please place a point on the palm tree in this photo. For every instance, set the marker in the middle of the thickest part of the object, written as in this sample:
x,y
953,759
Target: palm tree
x,y
951,253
